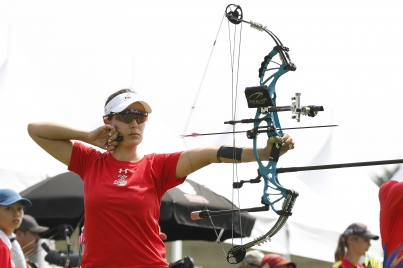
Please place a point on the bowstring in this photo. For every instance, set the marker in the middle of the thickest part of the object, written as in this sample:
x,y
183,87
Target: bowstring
x,y
234,99
187,125
201,83
234,96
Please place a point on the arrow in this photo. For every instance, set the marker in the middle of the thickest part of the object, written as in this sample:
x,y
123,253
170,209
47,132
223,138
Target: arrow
x,y
266,129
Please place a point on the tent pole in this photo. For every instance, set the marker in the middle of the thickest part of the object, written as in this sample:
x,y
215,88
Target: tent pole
x,y
176,253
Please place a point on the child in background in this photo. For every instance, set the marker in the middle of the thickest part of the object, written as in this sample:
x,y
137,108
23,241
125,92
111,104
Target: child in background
x,y
11,213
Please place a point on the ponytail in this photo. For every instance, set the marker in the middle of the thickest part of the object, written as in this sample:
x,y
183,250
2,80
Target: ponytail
x,y
341,248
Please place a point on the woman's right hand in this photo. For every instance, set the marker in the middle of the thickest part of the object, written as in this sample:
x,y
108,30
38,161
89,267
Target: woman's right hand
x,y
104,137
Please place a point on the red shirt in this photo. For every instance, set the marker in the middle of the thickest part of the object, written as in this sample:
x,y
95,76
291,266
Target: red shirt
x,y
391,223
344,263
5,258
122,207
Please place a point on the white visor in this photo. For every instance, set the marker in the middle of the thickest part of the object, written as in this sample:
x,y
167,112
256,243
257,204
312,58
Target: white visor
x,y
122,101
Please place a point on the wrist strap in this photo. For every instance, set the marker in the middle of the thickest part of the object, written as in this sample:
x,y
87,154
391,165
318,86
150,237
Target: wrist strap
x,y
230,153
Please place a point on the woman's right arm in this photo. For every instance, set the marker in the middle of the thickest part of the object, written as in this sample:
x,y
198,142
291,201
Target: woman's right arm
x,y
58,139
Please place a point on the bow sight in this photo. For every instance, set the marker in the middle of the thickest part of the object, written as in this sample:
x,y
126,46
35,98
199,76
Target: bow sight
x,y
259,97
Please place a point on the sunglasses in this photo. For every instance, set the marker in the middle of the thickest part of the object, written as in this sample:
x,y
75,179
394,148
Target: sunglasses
x,y
354,230
127,116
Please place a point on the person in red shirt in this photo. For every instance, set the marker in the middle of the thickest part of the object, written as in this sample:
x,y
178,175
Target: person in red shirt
x,y
122,187
391,223
11,213
353,243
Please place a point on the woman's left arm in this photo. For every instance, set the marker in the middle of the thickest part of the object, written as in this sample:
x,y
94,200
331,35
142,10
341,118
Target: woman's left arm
x,y
195,159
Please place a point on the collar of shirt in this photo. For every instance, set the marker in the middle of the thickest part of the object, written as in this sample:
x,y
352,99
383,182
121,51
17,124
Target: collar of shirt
x,y
5,239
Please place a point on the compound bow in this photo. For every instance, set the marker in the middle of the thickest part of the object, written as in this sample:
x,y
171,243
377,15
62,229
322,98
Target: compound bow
x,y
263,98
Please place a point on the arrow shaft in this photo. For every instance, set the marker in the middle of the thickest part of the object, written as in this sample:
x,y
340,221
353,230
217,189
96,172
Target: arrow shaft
x,y
345,165
267,129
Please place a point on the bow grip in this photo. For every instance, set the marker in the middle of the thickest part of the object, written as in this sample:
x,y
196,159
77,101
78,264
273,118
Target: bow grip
x,y
275,152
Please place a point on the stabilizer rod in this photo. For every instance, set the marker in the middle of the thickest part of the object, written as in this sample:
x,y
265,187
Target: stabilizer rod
x,y
346,165
202,214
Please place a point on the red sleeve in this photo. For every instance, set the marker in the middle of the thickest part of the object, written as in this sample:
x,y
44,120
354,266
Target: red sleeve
x,y
170,166
391,195
79,158
164,168
5,259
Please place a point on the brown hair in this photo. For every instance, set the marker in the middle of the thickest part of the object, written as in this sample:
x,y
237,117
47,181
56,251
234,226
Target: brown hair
x,y
109,116
342,245
341,248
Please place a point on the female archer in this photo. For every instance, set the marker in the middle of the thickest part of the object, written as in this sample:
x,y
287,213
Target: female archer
x,y
353,243
123,188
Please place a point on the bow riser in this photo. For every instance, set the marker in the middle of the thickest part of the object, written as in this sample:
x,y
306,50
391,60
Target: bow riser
x,y
265,113
264,99
268,172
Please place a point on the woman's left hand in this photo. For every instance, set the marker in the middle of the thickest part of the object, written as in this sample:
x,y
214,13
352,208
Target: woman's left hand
x,y
286,141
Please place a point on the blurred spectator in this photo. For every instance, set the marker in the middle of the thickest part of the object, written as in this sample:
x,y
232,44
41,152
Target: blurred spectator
x,y
276,261
353,243
252,259
28,235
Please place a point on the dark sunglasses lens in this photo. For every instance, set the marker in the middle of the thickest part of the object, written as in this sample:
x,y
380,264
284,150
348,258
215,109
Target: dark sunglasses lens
x,y
359,230
128,118
140,118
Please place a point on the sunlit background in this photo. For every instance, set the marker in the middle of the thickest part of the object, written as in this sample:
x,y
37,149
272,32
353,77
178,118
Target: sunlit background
x,y
60,60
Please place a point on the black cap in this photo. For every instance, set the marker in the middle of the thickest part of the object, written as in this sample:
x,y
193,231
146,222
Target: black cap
x,y
359,229
29,224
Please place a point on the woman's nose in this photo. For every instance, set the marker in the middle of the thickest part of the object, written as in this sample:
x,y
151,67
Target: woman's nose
x,y
134,124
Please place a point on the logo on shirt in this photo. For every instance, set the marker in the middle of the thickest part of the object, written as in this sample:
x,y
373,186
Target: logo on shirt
x,y
122,178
